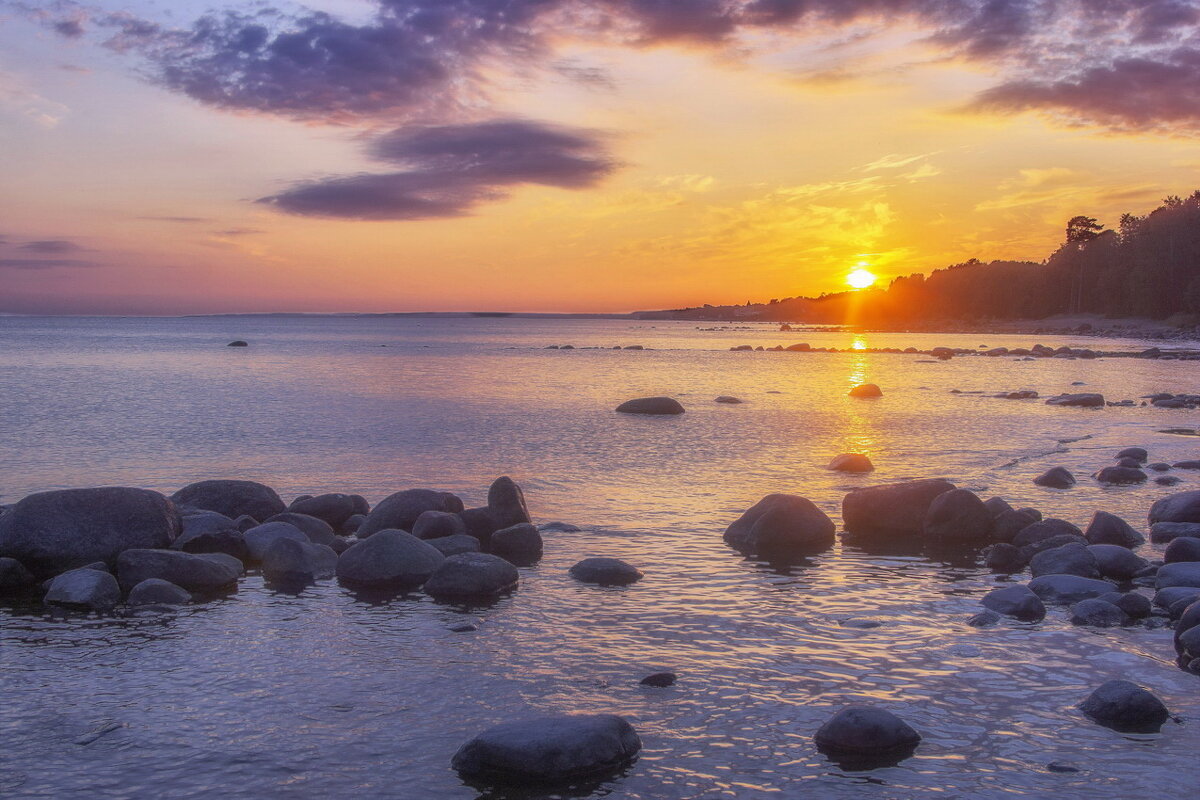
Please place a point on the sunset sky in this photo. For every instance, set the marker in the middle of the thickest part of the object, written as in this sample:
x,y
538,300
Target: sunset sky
x,y
561,155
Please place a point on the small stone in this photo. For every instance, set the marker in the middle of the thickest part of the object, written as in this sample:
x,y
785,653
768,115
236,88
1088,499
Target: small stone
x,y
606,572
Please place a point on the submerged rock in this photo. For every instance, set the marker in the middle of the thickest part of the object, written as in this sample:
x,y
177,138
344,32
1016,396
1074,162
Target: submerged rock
x,y
984,619
84,588
651,405
1098,613
659,680
781,524
233,498
866,390
1015,601
1126,707
1118,476
1083,400
867,737
851,462
729,400
606,572
549,749
389,559
897,509
1138,454
1056,478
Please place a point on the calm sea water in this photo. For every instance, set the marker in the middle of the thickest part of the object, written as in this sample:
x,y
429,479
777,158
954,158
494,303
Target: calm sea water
x,y
274,695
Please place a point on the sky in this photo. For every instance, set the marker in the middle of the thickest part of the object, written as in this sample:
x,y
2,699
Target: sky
x,y
561,155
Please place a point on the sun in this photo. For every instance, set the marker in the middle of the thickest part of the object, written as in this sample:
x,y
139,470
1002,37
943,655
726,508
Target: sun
x,y
860,279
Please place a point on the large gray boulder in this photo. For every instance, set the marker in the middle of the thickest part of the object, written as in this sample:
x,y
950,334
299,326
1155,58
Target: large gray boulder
x,y
657,406
1117,562
1066,589
867,737
1015,601
781,525
261,537
291,563
334,509
1126,707
202,573
605,571
317,530
520,544
472,576
1179,573
157,592
1166,531
958,515
50,532
1070,559
401,510
389,559
84,588
549,750
231,498
438,525
1106,528
506,501
892,510
1182,507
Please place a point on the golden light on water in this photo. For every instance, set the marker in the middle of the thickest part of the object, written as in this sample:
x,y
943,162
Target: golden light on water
x,y
860,278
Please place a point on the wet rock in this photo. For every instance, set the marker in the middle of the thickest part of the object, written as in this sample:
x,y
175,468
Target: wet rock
x,y
1186,464
957,516
1182,548
1139,454
559,527
1188,647
291,563
352,524
1134,605
1158,466
231,543
1004,558
659,680
1070,559
1167,480
861,624
1106,528
341,544
231,497
1033,512
14,578
1046,529
1161,532
50,532
1063,767
851,462
200,523
549,749
84,588
1117,562
1098,614
1189,620
1179,573
480,524
866,736
389,559
1056,478
400,511
606,572
155,591
333,509
984,619
1132,463
1064,589
728,400
1015,601
781,525
506,502
866,390
260,538
1173,595
997,506
453,545
1042,545
521,544
1182,507
1120,476
897,509
1083,400
657,406
317,530
245,522
468,576
238,343
201,573
438,525
1126,707
1008,524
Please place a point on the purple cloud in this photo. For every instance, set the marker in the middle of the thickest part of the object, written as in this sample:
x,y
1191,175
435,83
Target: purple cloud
x,y
51,246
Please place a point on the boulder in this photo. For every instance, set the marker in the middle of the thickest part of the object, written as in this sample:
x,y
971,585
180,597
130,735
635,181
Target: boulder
x,y
245,522
352,524
1182,507
202,573
480,524
1166,598
1134,605
1004,558
1056,478
317,530
520,544
1033,512
453,545
400,510
291,563
157,592
606,572
1070,559
1008,524
997,506
549,749
50,532
1167,480
1046,529
1138,454
851,462
1065,589
1190,464
14,578
1084,400
1179,573
1168,531
781,525
651,405
867,736
84,588
984,619
389,559
659,680
438,525
361,506
332,509
468,576
896,509
231,543
1061,540
200,523
728,400
1120,476
1117,562
1015,601
1126,707
258,539
1182,548
1098,613
1188,620
1159,466
506,502
866,390
1106,528
238,343
957,516
231,498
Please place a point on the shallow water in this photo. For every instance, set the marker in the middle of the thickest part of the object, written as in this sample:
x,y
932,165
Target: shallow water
x,y
268,694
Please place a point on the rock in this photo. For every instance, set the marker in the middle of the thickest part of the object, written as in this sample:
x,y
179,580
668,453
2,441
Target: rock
x,y
984,619
317,530
400,510
659,680
1070,559
361,506
957,516
200,523
1193,464
549,749
353,523
1119,476
1116,562
291,563
14,578
231,498
389,559
781,525
651,405
897,509
521,544
332,509
726,399
1015,601
469,576
260,538
1158,466
1166,598
1062,540
1189,648
1168,531
1106,528
50,532
202,573
1004,558
1134,605
463,627
231,543
802,347
559,527
1056,478
155,591
866,735
1059,766
84,588
861,624
1098,614
1167,480
1046,529
1132,463
480,524
1033,512
997,506
506,502
453,545
1084,400
1008,524
1179,573
1126,707
1182,507
1188,620
851,462
1182,548
606,572
245,522
438,525
238,343
1064,589
1139,454
866,390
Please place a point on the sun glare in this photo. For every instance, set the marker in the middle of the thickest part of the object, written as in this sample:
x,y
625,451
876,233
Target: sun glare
x,y
860,279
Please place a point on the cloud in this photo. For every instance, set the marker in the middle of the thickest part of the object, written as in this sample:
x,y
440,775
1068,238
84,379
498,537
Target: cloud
x,y
450,169
182,220
43,263
51,246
